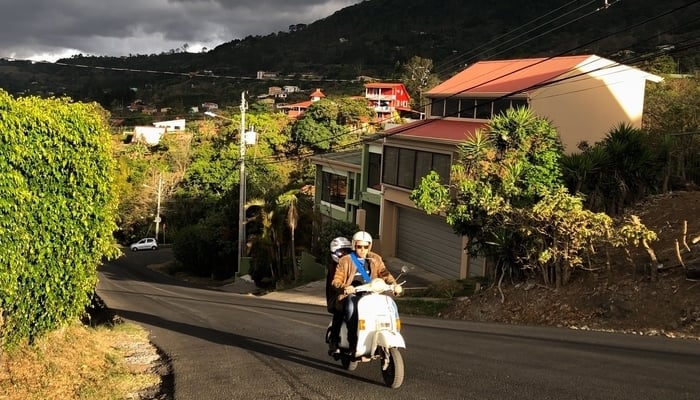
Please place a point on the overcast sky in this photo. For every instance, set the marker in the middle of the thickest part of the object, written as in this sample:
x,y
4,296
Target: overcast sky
x,y
50,29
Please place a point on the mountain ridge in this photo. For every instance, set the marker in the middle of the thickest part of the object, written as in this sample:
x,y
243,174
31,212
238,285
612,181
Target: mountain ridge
x,y
374,38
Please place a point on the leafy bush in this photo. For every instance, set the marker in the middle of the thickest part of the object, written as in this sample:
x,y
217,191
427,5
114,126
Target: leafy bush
x,y
57,210
204,252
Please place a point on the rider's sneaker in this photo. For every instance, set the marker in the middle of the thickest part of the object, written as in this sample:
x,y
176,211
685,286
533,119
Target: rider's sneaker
x,y
333,348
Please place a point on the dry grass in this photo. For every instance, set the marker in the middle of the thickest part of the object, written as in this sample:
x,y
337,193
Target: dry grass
x,y
78,362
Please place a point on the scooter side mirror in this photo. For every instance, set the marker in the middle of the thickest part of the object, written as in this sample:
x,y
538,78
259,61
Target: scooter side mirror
x,y
404,271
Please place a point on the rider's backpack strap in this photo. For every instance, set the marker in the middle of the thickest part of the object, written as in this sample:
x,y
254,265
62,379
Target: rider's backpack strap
x,y
360,267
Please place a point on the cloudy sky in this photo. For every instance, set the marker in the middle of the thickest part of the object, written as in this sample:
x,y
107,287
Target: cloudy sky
x,y
50,29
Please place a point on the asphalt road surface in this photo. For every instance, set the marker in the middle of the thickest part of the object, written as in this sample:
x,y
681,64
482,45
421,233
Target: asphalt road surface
x,y
230,346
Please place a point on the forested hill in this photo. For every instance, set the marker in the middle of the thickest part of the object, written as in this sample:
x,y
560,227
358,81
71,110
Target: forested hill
x,y
371,37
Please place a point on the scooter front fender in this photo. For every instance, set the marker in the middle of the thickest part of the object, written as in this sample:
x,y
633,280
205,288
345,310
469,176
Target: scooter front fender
x,y
390,339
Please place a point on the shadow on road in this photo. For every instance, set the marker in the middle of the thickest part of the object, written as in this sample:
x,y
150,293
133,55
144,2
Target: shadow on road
x,y
263,347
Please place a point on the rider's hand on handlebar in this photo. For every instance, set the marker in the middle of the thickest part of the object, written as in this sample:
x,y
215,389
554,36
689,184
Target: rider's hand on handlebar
x,y
349,290
398,290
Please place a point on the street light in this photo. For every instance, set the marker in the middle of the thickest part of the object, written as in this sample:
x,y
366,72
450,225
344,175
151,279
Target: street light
x,y
244,138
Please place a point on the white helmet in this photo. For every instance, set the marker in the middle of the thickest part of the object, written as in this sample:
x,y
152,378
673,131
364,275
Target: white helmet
x,y
361,236
340,246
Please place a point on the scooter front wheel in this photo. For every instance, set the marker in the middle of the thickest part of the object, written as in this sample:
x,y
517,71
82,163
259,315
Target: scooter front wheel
x,y
392,368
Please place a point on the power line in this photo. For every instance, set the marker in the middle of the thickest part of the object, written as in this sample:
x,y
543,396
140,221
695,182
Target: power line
x,y
444,67
399,129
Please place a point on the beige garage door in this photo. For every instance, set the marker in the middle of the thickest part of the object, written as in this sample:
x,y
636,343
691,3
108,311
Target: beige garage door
x,y
428,241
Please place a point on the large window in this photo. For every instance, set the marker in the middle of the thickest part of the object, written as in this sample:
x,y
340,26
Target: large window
x,y
437,107
406,167
452,108
483,108
335,189
479,108
374,171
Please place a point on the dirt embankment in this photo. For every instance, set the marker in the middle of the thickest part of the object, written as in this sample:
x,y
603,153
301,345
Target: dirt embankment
x,y
623,299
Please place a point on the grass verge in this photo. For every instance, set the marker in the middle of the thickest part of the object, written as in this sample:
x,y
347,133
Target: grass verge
x,y
79,362
423,307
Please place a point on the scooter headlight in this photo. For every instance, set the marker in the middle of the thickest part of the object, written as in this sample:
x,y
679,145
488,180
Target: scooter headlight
x,y
377,285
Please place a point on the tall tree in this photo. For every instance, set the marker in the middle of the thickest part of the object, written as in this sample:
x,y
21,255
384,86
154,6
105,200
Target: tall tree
x,y
417,75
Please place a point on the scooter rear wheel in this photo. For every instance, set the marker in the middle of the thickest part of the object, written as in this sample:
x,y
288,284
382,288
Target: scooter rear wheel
x,y
393,374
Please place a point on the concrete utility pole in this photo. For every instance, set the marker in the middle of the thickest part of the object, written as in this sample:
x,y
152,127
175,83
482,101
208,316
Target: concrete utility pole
x,y
157,219
242,186
245,138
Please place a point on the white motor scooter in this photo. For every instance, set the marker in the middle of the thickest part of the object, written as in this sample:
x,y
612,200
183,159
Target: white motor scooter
x,y
378,333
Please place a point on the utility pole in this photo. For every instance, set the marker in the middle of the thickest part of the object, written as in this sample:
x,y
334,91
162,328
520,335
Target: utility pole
x,y
242,186
157,219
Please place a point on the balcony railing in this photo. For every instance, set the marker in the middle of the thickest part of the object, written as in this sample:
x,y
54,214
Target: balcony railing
x,y
380,96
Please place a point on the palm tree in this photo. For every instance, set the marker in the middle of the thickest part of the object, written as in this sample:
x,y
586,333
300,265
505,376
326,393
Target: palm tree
x,y
289,200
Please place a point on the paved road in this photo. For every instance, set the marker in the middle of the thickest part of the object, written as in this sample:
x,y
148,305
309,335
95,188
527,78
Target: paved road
x,y
230,346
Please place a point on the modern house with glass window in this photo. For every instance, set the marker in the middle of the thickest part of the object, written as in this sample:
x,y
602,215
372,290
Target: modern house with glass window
x,y
584,97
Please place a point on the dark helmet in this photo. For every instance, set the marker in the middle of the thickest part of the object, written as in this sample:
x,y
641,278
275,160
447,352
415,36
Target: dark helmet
x,y
340,246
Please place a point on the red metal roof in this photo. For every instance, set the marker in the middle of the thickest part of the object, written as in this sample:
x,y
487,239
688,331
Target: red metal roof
x,y
441,129
302,105
507,76
382,85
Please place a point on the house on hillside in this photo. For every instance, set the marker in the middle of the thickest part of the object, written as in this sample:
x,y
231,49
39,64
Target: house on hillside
x,y
172,125
584,97
209,106
387,100
296,110
149,135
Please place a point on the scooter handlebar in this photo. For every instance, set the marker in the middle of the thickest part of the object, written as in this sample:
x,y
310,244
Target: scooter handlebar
x,y
377,285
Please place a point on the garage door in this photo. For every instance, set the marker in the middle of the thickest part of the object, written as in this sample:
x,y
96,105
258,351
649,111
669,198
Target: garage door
x,y
427,241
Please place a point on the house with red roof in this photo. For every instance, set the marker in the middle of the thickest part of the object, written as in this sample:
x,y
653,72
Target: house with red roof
x,y
387,100
296,110
584,97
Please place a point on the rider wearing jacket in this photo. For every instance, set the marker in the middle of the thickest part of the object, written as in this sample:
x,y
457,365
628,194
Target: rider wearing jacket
x,y
339,247
347,276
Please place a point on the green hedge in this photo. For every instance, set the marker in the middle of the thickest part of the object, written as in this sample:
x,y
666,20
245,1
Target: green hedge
x,y
57,210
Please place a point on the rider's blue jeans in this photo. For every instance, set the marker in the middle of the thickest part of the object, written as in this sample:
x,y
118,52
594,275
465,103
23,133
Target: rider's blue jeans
x,y
351,320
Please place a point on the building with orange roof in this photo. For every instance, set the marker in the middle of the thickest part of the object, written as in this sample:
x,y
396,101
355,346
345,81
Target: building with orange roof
x,y
296,110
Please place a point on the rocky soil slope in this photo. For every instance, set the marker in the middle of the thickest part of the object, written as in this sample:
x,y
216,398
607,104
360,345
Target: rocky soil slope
x,y
623,299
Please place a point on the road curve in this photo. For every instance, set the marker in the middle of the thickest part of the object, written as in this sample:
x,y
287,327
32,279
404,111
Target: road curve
x,y
230,346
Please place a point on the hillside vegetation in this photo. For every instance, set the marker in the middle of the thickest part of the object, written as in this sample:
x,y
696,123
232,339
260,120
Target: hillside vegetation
x,y
373,38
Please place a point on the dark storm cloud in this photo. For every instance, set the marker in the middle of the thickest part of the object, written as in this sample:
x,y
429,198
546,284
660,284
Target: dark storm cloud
x,y
47,29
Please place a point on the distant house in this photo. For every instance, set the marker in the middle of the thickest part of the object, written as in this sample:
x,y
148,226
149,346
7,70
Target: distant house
x,y
274,90
296,110
265,75
172,125
149,135
387,99
209,106
291,89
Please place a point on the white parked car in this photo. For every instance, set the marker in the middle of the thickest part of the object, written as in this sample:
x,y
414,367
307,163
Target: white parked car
x,y
144,244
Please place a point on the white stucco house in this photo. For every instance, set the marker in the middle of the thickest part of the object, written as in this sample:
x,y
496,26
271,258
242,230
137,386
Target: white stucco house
x,y
177,125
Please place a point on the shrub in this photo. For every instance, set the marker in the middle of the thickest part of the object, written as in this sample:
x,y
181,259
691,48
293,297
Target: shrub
x,y
57,211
